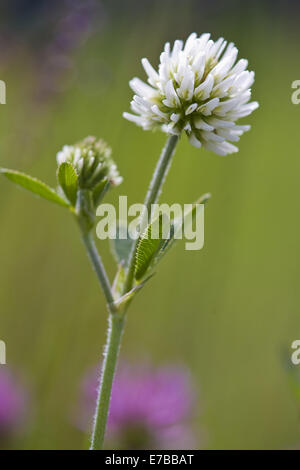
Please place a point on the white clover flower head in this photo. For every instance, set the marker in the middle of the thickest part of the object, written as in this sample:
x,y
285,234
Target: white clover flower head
x,y
200,89
92,161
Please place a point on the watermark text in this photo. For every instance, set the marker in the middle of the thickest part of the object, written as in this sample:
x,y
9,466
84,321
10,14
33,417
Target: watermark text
x,y
2,92
295,97
167,221
295,357
2,352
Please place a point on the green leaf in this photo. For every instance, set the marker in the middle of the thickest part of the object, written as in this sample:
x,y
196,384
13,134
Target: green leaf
x,y
100,190
34,185
149,247
150,251
119,281
68,181
121,246
126,298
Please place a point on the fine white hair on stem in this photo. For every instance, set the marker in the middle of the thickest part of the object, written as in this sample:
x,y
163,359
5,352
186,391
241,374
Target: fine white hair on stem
x,y
200,88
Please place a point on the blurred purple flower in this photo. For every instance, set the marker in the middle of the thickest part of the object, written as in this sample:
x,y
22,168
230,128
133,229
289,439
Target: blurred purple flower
x,y
149,407
13,403
76,21
48,34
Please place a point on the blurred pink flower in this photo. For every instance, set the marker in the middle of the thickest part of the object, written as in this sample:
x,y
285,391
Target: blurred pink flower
x,y
150,407
13,403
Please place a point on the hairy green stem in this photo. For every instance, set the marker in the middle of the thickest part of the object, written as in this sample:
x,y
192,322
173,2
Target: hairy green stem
x,y
116,318
114,336
115,329
152,196
99,269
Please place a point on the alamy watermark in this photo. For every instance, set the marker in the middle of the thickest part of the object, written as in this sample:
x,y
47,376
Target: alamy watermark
x,y
2,352
2,92
295,357
167,221
295,98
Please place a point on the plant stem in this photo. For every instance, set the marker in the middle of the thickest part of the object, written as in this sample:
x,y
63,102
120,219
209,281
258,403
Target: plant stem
x,y
116,318
115,330
152,196
99,269
116,322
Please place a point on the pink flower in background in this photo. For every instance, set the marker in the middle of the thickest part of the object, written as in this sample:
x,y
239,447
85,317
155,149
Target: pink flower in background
x,y
13,403
150,407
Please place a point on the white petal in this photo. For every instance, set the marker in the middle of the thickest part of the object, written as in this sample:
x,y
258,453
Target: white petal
x,y
219,122
229,134
221,49
188,127
194,141
229,147
176,49
216,47
203,91
244,80
142,103
76,155
175,117
136,108
221,148
158,112
60,157
240,66
201,124
167,48
170,129
164,67
133,118
80,164
186,89
225,64
226,106
211,136
152,74
208,48
244,128
203,40
198,65
141,88
222,88
215,147
208,107
190,42
182,68
244,110
172,99
191,108
228,50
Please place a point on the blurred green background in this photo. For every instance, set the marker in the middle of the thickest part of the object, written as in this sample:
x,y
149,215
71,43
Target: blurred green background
x,y
225,312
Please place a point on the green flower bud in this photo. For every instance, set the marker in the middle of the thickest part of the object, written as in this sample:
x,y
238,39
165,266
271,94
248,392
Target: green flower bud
x,y
91,159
